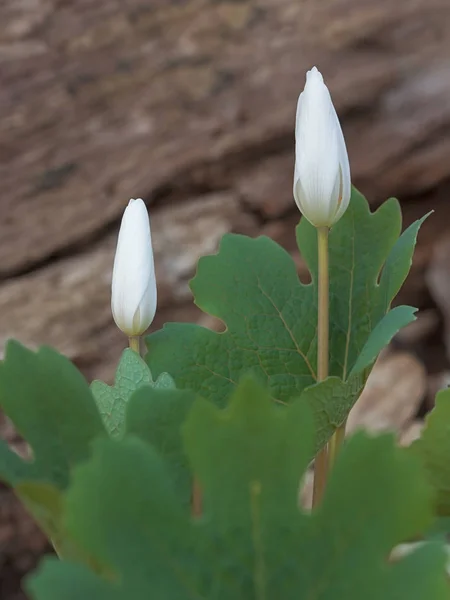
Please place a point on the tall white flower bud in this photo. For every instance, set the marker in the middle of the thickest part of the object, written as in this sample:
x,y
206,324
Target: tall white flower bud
x,y
133,298
322,185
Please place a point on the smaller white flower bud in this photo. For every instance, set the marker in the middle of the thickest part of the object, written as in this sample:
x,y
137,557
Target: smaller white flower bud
x,y
322,185
133,298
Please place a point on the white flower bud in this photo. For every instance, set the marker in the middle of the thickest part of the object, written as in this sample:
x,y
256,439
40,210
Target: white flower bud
x,y
322,185
133,298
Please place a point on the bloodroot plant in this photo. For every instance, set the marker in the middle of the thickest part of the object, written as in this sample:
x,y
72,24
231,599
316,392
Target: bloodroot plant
x,y
181,480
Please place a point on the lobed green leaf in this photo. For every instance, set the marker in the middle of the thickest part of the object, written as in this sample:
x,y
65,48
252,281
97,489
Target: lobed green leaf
x,y
132,373
51,406
270,316
252,541
433,447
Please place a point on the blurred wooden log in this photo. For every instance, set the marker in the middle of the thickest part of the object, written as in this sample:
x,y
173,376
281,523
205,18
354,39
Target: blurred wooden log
x,y
412,432
392,396
103,101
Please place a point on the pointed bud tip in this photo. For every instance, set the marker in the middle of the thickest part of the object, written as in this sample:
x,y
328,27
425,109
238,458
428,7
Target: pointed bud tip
x,y
314,75
133,200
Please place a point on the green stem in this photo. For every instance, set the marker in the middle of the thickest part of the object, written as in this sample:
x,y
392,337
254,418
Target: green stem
x,y
258,541
335,443
321,462
320,475
135,343
196,504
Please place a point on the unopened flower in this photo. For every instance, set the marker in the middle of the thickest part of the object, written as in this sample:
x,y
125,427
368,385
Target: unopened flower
x,y
133,298
322,184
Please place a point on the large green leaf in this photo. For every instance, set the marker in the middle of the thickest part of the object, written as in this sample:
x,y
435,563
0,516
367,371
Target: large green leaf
x,y
433,447
132,373
51,406
46,503
156,416
368,264
253,542
253,287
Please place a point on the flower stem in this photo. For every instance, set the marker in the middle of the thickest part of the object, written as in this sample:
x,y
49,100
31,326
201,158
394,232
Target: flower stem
x,y
196,505
321,462
336,442
135,343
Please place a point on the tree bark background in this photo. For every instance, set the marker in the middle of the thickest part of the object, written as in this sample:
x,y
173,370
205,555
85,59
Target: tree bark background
x,y
190,104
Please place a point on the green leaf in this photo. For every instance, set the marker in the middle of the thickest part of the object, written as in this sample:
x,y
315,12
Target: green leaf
x,y
266,449
393,275
440,530
330,402
46,503
270,316
156,416
399,261
55,575
132,373
433,447
12,467
253,542
362,245
51,406
382,334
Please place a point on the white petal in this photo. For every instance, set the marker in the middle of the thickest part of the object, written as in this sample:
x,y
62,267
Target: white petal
x,y
321,171
133,299
345,174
